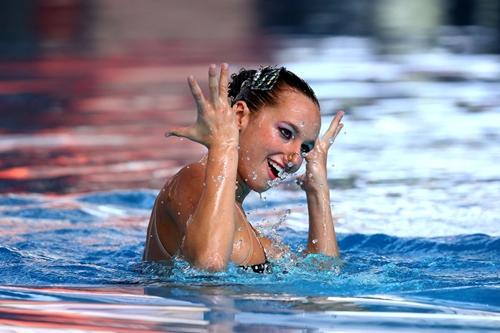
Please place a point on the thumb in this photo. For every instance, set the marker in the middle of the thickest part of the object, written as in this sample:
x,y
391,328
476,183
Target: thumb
x,y
181,132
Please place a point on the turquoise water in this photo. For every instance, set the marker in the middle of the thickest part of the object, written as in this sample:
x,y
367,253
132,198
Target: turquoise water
x,y
74,247
80,255
415,190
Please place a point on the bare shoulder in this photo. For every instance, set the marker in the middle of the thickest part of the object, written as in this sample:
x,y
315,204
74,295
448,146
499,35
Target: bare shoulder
x,y
173,206
182,192
189,177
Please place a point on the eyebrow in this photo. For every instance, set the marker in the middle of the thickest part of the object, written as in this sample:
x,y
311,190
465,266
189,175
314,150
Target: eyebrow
x,y
293,126
297,130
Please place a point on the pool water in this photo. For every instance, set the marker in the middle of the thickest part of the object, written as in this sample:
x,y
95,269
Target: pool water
x,y
80,256
415,189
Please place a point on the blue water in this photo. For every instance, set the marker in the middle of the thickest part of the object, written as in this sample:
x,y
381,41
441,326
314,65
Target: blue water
x,y
79,250
96,241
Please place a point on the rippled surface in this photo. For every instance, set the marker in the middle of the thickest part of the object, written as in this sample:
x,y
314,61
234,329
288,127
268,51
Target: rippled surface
x,y
415,186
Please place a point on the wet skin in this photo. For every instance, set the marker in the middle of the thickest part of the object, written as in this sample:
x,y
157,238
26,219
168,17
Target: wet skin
x,y
198,212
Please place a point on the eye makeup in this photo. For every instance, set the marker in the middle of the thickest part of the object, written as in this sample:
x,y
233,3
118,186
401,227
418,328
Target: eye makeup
x,y
305,148
287,131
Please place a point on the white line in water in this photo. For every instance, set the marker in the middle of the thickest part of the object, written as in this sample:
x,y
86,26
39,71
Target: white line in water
x,y
412,315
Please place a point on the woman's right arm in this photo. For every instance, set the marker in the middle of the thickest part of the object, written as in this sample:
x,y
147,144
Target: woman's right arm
x,y
208,237
209,231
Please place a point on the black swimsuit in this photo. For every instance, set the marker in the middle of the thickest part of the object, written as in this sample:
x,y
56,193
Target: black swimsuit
x,y
265,267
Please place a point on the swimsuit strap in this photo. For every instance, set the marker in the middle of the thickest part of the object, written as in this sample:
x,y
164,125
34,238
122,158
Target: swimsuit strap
x,y
264,267
257,236
154,231
249,236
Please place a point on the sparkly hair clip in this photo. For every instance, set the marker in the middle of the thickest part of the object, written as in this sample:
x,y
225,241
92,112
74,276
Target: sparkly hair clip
x,y
265,78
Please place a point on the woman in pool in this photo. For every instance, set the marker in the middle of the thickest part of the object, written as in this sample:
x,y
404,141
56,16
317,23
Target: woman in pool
x,y
258,130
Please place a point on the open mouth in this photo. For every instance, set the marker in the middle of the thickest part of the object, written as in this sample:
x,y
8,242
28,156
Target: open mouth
x,y
276,170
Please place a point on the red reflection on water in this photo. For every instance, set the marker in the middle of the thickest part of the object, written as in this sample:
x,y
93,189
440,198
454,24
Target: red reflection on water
x,y
89,125
98,310
63,316
88,107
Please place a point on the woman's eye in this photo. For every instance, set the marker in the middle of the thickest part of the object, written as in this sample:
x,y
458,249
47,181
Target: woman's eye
x,y
286,133
304,149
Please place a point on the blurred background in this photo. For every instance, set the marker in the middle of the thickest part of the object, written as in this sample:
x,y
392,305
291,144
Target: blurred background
x,y
87,88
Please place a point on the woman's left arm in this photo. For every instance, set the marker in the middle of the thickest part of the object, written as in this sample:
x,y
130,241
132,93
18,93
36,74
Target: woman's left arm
x,y
322,238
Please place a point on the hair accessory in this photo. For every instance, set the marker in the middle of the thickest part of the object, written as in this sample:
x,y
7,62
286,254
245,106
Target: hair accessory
x,y
265,78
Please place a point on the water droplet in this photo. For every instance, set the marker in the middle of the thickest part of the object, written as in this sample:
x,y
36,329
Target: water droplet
x,y
178,213
314,241
162,202
238,243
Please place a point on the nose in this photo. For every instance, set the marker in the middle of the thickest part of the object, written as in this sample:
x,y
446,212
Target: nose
x,y
293,162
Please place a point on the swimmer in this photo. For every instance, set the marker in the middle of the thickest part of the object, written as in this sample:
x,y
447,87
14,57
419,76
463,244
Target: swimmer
x,y
258,128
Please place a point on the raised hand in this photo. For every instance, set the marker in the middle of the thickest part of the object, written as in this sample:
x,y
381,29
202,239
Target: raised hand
x,y
315,176
216,122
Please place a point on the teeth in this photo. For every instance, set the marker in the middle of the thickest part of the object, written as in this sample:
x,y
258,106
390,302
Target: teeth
x,y
276,166
281,172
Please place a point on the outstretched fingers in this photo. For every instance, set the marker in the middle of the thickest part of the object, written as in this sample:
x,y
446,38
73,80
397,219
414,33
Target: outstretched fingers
x,y
223,81
181,132
334,129
208,121
197,92
213,85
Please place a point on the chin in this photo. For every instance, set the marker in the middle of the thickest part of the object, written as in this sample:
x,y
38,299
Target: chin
x,y
262,190
257,185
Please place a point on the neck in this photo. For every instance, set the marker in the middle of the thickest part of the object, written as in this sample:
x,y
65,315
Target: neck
x,y
242,190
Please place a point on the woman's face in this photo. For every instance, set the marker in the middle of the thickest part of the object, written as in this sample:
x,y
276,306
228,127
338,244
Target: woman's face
x,y
275,138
